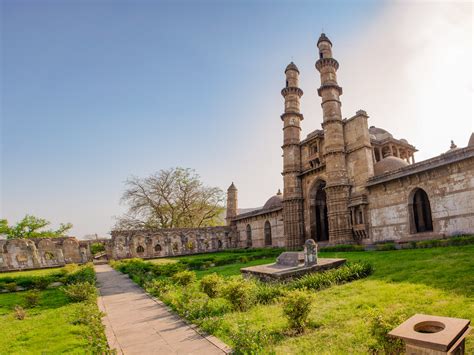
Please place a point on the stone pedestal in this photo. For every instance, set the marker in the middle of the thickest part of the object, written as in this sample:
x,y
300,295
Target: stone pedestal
x,y
432,335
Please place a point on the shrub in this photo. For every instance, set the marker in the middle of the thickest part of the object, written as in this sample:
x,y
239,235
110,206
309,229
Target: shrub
x,y
41,283
97,248
385,246
247,340
184,278
217,307
380,326
158,287
210,284
342,248
268,293
89,315
296,307
81,274
31,298
11,286
240,293
347,273
80,291
20,313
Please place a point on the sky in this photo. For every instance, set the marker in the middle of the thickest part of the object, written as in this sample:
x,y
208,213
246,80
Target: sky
x,y
93,92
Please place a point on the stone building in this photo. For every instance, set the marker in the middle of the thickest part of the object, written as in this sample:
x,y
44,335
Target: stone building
x,y
20,254
349,182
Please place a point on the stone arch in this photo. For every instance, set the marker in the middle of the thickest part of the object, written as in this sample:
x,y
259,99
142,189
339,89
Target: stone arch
x,y
158,248
267,231
140,249
318,220
419,207
248,231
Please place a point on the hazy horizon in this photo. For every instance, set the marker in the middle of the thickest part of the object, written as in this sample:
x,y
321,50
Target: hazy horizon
x,y
94,92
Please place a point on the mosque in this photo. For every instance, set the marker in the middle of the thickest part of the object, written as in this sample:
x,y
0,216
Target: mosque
x,y
351,183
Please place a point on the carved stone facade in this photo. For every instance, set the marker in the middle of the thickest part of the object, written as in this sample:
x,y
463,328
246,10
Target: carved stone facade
x,y
21,254
170,242
351,183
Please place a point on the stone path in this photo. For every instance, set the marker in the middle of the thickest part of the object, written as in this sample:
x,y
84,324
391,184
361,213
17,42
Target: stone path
x,y
138,324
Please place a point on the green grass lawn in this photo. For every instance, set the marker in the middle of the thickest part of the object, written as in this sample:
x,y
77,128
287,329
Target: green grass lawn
x,y
41,272
55,325
47,327
438,281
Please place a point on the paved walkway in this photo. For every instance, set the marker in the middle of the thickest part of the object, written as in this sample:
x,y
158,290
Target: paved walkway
x,y
137,324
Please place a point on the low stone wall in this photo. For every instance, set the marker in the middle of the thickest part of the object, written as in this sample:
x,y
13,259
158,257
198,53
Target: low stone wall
x,y
170,242
21,254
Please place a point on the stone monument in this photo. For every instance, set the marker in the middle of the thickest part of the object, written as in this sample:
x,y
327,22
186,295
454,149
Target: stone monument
x,y
310,253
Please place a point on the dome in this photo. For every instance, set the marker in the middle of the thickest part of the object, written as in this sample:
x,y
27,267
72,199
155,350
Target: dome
x,y
292,66
471,141
324,38
388,164
274,202
379,133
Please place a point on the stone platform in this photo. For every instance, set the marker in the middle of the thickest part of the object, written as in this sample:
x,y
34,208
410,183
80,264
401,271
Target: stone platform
x,y
278,272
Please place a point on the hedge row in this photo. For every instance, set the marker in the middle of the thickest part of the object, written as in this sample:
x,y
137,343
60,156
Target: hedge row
x,y
69,274
452,241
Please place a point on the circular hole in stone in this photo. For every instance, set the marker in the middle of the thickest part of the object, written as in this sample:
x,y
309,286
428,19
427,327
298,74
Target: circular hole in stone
x,y
429,327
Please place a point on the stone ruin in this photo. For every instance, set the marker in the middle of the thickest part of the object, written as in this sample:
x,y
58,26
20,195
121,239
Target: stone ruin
x,y
22,254
170,242
291,265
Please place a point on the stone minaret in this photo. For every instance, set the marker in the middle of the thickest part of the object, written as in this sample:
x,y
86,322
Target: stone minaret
x,y
337,185
292,192
231,203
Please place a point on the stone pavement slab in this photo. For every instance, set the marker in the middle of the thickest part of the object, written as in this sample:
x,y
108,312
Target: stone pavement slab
x,y
136,323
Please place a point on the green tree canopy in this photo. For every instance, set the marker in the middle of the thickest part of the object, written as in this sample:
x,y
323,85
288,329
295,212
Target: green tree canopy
x,y
173,198
32,227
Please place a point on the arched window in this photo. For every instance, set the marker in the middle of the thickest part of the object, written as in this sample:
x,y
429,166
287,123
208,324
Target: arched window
x,y
268,234
140,249
219,244
421,212
157,248
249,235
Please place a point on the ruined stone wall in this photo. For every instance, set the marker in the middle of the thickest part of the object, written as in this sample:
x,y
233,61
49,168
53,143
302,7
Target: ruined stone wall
x,y
20,254
450,189
170,242
257,226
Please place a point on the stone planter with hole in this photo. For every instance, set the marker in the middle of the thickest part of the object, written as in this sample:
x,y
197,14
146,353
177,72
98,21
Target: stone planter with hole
x,y
433,335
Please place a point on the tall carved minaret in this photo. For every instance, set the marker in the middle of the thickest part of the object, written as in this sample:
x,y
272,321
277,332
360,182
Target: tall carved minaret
x,y
292,192
337,185
231,204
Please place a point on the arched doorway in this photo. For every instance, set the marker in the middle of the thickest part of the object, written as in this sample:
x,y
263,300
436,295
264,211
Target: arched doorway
x,y
421,210
268,234
249,235
319,212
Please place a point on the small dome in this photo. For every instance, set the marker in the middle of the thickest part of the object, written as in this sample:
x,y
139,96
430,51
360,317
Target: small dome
x,y
471,141
322,38
292,66
388,164
274,202
379,133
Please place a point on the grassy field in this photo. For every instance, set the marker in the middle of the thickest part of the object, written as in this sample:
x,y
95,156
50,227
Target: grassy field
x,y
41,272
54,325
437,281
47,327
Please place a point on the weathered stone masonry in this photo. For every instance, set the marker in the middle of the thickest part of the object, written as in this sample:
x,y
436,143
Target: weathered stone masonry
x,y
21,254
170,242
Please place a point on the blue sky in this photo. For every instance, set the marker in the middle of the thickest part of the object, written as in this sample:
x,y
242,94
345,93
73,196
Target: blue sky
x,y
96,91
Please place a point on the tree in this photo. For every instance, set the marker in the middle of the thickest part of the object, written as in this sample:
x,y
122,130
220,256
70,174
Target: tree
x,y
32,227
173,198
